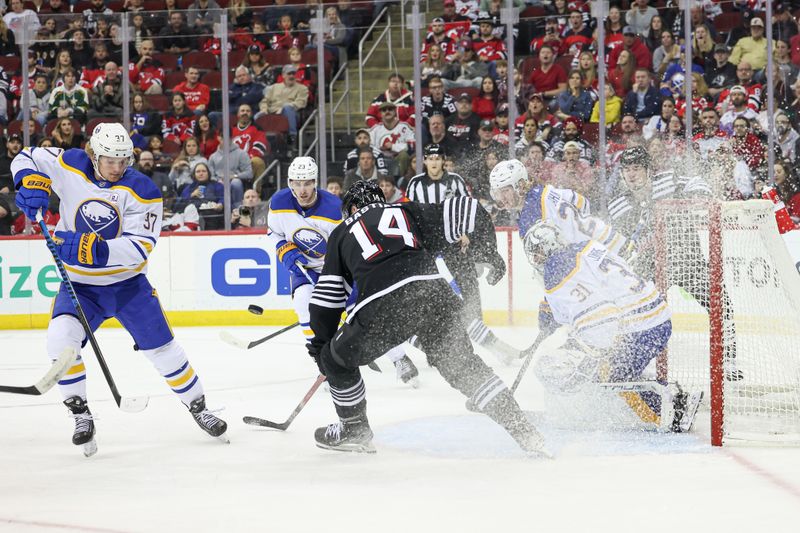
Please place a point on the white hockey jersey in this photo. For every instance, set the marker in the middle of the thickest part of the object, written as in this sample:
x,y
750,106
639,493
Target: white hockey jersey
x,y
126,214
398,139
594,291
290,226
569,211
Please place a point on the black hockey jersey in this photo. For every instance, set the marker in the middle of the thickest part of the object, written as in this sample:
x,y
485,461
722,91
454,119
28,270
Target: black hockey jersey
x,y
383,247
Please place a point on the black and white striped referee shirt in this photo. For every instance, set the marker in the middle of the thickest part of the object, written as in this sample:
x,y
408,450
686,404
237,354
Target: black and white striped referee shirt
x,y
421,188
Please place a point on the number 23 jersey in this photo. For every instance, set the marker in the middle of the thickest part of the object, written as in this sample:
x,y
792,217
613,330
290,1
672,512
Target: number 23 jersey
x,y
126,214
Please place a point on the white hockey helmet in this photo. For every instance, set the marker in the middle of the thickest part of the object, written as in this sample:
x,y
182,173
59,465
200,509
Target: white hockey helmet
x,y
303,169
510,173
541,241
111,140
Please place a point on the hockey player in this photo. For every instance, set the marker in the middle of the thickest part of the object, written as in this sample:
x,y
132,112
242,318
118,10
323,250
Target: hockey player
x,y
631,211
564,208
619,323
300,220
110,222
388,250
434,186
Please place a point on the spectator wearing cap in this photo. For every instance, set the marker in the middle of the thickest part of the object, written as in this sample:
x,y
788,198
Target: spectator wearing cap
x,y
784,26
435,184
393,137
437,134
752,49
466,70
635,46
437,37
13,147
472,162
437,100
638,17
551,37
575,101
500,132
485,103
545,121
366,169
573,171
449,13
549,78
576,35
719,74
571,131
644,100
362,140
487,46
287,98
737,107
666,54
176,37
198,95
744,79
395,93
463,125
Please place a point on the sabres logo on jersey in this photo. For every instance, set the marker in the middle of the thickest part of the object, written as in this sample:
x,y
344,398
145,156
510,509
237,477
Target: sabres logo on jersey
x,y
311,242
98,216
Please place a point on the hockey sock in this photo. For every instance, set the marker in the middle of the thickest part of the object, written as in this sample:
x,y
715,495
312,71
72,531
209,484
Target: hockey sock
x,y
495,400
300,299
65,331
350,401
171,362
479,333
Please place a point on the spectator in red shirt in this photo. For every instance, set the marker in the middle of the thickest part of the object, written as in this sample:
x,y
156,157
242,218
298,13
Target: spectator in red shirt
x,y
487,47
178,122
197,94
147,73
551,37
485,103
576,35
250,139
633,44
548,79
746,146
206,135
788,187
621,76
285,38
402,98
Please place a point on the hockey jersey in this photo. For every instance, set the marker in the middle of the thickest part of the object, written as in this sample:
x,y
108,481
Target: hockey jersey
x,y
594,291
126,214
289,226
398,139
569,211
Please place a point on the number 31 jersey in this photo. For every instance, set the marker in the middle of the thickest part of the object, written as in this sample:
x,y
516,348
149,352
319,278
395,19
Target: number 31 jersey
x,y
594,291
126,214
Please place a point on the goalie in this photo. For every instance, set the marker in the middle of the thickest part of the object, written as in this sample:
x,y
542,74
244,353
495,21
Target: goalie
x,y
619,324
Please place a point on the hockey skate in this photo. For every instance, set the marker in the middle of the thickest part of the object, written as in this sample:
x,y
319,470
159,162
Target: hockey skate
x,y
407,372
686,406
216,427
84,425
347,435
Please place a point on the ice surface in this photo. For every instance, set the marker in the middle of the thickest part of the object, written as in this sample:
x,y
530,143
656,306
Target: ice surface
x,y
438,467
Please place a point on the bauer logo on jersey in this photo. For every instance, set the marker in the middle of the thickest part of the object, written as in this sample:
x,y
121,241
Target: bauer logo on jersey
x,y
98,216
310,242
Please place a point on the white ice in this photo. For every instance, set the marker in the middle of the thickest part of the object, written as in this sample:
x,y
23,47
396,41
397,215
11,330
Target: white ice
x,y
438,467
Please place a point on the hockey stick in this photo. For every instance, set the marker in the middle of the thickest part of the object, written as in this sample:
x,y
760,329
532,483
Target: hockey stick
x,y
283,426
130,405
557,337
244,345
56,372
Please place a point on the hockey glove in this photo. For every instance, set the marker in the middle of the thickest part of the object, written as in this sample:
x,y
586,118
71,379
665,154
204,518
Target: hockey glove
x,y
497,269
315,351
33,192
81,248
292,259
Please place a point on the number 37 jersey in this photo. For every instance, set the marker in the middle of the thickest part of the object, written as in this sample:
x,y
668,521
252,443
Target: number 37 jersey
x,y
594,291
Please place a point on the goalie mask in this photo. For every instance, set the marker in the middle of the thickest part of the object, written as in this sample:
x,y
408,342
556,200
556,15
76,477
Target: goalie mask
x,y
541,241
360,194
110,140
507,181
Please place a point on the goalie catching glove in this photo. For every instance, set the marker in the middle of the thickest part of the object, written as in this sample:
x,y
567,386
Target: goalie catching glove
x,y
81,248
33,192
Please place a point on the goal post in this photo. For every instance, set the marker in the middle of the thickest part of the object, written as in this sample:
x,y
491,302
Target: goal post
x,y
735,297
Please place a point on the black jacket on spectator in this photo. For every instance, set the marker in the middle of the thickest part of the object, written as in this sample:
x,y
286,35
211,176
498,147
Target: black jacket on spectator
x,y
167,38
463,130
652,103
250,94
5,220
448,143
445,108
719,77
273,15
5,172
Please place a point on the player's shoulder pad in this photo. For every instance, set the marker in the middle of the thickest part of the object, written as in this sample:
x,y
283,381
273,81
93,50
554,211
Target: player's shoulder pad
x,y
531,209
76,160
141,187
562,265
330,206
282,200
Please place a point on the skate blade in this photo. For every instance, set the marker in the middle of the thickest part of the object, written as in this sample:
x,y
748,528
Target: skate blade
x,y
412,382
89,448
350,448
541,453
223,438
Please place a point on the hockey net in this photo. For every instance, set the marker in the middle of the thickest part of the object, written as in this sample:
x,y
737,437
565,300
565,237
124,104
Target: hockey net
x,y
735,297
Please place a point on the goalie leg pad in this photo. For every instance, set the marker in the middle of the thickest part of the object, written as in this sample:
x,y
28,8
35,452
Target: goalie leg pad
x,y
171,362
65,331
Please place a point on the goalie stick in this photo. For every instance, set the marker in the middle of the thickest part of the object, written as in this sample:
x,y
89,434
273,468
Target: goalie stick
x,y
283,426
56,372
130,405
557,337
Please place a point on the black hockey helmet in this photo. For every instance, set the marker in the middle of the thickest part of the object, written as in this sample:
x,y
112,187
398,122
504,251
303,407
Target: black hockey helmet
x,y
635,156
360,194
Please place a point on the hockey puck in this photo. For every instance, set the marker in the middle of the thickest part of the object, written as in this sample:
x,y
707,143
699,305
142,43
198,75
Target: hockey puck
x,y
256,310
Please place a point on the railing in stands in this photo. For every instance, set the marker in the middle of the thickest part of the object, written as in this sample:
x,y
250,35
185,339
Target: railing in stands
x,y
362,60
335,105
275,162
306,124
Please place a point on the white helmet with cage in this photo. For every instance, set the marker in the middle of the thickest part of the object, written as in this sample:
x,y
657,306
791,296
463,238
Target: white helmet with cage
x,y
303,169
541,241
510,173
110,140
